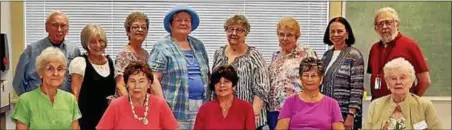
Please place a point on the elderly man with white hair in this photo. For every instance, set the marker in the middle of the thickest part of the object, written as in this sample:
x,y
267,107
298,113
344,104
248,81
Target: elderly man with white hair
x,y
393,44
26,77
401,109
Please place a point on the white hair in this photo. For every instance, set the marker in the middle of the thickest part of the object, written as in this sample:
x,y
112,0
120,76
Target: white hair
x,y
387,9
55,13
50,54
399,63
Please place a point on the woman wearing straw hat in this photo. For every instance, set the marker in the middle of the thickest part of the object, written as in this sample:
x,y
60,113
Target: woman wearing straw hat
x,y
180,63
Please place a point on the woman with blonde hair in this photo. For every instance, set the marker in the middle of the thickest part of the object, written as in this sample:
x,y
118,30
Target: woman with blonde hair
x,y
284,67
92,76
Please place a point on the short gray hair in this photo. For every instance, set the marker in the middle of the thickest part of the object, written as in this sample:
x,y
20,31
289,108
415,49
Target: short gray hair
x,y
394,13
48,55
238,19
55,13
92,30
399,63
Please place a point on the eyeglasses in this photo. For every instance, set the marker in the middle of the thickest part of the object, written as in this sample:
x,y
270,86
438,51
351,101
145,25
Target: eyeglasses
x,y
282,35
385,22
138,27
237,30
51,69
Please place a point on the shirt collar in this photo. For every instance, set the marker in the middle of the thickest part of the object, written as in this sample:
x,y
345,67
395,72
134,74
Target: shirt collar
x,y
49,43
393,41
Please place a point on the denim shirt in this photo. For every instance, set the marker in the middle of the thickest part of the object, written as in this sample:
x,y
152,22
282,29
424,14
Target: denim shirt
x,y
27,78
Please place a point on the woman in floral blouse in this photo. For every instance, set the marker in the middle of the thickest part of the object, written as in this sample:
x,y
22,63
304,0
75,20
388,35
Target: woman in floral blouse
x,y
137,27
284,67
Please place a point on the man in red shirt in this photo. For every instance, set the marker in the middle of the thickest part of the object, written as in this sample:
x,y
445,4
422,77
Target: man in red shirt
x,y
392,45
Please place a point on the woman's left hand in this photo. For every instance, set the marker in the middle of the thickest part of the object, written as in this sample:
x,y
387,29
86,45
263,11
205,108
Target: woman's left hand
x,y
349,122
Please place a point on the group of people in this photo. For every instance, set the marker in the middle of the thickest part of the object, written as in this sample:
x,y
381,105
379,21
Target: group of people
x,y
172,87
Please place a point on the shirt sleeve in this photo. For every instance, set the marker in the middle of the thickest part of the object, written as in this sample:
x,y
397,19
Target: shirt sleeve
x,y
22,112
157,59
168,121
121,63
250,121
261,82
357,82
108,119
76,114
336,112
19,81
199,122
78,66
419,60
286,110
432,119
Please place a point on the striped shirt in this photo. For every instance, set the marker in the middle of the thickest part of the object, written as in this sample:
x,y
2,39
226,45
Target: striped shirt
x,y
167,58
253,77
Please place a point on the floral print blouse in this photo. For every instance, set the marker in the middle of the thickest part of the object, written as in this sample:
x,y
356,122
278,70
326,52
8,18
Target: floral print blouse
x,y
284,77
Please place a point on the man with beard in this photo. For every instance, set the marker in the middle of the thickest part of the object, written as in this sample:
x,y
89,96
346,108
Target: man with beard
x,y
392,45
26,77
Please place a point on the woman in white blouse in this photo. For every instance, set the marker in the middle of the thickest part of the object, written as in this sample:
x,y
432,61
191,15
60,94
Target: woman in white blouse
x,y
92,76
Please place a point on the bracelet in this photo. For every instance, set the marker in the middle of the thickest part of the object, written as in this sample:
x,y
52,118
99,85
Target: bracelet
x,y
352,114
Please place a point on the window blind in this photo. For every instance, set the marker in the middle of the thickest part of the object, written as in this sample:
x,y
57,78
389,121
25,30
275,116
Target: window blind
x,y
262,15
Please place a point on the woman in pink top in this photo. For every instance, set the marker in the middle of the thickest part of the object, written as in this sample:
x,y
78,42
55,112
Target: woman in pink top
x,y
310,109
138,110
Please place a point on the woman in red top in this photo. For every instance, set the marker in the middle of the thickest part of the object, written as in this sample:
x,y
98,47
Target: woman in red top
x,y
138,109
226,111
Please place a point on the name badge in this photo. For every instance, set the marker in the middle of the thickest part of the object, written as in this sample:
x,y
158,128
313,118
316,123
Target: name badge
x,y
420,125
377,84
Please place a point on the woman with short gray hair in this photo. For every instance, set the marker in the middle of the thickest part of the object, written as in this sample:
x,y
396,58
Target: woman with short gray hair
x,y
47,107
92,76
401,109
249,63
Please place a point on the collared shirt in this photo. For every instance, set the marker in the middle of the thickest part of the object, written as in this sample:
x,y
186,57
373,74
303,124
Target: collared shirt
x,y
35,110
414,109
284,75
379,55
27,78
167,58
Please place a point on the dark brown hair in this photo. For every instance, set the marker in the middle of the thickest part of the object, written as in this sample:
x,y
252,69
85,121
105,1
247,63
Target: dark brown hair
x,y
227,72
136,67
310,62
351,38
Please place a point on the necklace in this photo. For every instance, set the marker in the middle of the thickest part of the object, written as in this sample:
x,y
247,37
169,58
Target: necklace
x,y
144,119
226,106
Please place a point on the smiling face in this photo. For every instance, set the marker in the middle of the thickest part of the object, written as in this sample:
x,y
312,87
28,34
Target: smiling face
x,y
138,31
311,79
235,34
181,23
287,39
57,27
96,46
399,80
224,87
386,26
338,34
138,84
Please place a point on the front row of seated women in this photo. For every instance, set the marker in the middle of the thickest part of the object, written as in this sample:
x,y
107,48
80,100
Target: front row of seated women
x,y
50,108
